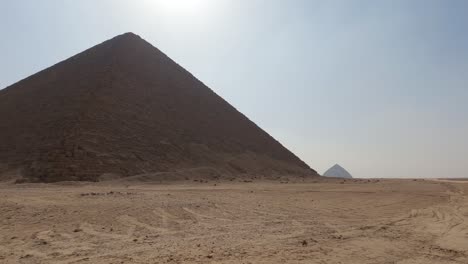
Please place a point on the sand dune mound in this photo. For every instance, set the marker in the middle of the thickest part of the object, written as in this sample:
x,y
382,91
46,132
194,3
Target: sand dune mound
x,y
125,108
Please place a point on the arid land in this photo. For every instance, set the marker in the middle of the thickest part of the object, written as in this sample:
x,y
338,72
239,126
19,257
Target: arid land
x,y
321,221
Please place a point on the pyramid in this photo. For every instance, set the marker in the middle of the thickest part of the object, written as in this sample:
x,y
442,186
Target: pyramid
x,y
125,108
337,172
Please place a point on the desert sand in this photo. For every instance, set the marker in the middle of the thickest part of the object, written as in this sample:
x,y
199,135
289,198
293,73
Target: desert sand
x,y
321,221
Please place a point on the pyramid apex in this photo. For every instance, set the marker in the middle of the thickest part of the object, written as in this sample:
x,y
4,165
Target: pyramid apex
x,y
127,35
131,34
125,41
337,172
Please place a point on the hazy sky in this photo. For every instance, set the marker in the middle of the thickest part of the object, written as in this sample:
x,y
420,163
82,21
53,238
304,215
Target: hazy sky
x,y
380,87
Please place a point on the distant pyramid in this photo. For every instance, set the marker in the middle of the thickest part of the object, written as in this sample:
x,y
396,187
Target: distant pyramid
x,y
337,172
125,108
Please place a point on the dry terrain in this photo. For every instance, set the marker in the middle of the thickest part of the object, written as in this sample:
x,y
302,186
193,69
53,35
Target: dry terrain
x,y
356,221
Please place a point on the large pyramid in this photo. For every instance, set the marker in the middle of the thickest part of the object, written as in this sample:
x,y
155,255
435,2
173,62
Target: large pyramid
x,y
125,108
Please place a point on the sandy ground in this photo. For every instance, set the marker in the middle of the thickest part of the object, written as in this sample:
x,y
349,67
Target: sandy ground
x,y
326,222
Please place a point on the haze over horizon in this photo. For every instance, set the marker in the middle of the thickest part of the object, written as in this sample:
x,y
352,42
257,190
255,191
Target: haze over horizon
x,y
375,86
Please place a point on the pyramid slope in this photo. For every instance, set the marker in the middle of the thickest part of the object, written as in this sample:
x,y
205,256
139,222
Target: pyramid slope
x,y
123,107
338,172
